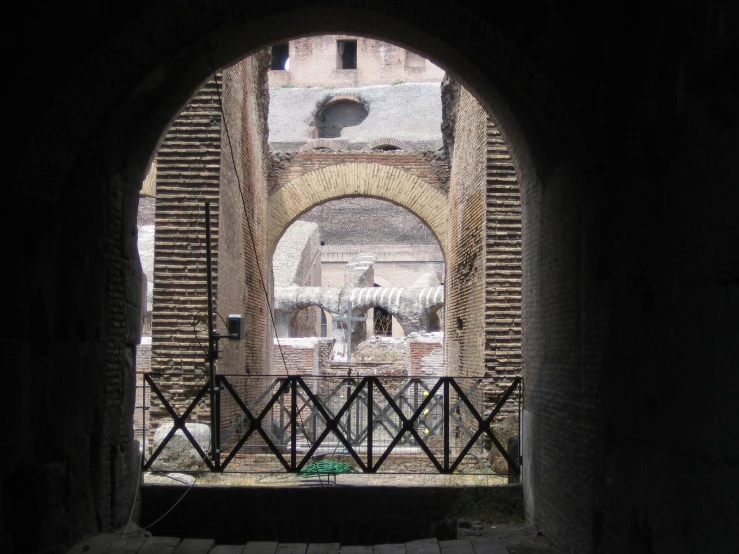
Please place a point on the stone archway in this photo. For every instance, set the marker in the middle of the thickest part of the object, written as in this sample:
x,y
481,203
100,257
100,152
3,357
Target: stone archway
x,y
133,85
357,179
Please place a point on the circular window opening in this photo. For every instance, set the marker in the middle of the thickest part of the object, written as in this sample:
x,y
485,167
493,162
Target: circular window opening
x,y
332,119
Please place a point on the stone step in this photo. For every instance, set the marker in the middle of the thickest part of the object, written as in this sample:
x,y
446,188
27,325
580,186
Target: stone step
x,y
112,543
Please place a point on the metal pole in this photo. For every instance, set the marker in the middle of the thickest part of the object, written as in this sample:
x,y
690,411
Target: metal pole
x,y
143,420
370,422
348,394
446,423
294,423
350,322
212,344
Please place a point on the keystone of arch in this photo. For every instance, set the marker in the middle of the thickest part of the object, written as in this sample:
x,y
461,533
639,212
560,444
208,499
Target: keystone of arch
x,y
358,179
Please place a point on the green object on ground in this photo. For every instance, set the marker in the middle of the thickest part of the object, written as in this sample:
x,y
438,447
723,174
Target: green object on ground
x,y
326,467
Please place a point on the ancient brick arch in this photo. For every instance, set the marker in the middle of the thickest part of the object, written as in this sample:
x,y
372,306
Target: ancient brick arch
x,y
357,179
87,125
379,143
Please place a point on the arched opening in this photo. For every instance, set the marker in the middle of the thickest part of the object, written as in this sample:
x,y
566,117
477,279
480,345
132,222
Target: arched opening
x,y
607,322
300,194
422,192
383,322
386,148
319,250
151,127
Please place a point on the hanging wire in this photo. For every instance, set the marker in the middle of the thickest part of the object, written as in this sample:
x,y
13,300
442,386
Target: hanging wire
x,y
248,225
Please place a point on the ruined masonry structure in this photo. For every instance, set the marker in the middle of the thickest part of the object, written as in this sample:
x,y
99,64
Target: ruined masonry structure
x,y
457,179
623,134
194,165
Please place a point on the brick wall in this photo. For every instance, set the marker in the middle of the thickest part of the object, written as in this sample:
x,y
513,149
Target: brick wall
x,y
376,180
302,356
195,165
465,283
242,230
293,359
502,263
426,358
358,222
431,167
188,173
484,273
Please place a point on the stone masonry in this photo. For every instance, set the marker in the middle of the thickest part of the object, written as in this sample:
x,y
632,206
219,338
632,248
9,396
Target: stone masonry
x,y
623,135
194,165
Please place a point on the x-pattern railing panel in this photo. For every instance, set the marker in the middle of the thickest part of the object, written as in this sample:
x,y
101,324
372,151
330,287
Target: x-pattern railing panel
x,y
179,423
356,413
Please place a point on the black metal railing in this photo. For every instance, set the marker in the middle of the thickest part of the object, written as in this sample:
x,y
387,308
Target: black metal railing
x,y
420,425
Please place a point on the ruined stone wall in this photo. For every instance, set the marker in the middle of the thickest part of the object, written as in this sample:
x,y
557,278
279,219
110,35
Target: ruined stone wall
x,y
300,356
400,357
293,359
188,174
313,63
426,358
465,283
384,350
400,273
431,167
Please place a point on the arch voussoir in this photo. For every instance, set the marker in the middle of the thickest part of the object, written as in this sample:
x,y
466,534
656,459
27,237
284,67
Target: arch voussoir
x,y
358,179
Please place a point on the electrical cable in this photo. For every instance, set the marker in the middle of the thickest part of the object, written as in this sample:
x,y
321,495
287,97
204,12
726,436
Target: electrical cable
x,y
135,492
248,221
195,332
160,518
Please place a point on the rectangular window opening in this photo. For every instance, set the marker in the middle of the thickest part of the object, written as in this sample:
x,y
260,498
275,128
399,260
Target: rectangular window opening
x,y
414,60
346,54
280,56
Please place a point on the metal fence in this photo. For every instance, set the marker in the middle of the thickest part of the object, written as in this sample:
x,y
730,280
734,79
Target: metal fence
x,y
377,424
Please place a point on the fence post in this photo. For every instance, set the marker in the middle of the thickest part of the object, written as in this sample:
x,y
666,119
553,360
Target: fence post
x,y
446,423
293,423
212,344
370,409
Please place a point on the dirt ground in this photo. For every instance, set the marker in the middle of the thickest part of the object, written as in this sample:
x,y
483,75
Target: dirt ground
x,y
282,479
